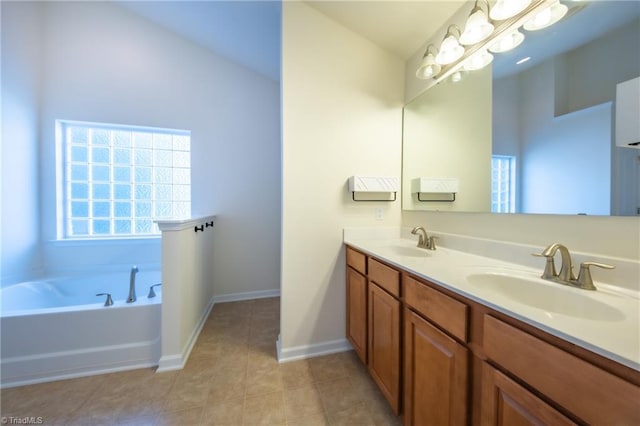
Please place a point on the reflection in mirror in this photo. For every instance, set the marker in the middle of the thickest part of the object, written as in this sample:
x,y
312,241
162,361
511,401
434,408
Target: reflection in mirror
x,y
553,119
447,135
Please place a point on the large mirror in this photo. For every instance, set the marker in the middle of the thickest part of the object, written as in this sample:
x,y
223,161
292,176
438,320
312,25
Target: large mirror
x,y
535,137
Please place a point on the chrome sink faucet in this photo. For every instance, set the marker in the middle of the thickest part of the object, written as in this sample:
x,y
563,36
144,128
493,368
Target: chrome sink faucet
x,y
566,275
566,269
132,285
424,240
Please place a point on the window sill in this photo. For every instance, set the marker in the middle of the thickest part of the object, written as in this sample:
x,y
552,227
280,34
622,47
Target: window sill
x,y
104,241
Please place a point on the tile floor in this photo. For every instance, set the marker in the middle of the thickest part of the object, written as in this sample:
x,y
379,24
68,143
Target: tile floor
x,y
232,378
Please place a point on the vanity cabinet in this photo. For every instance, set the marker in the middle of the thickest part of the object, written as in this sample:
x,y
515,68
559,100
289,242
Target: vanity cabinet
x,y
357,302
506,403
460,362
436,375
583,390
374,321
384,343
436,361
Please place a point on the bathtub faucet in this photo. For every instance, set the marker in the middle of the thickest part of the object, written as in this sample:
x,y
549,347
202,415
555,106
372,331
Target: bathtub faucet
x,y
132,285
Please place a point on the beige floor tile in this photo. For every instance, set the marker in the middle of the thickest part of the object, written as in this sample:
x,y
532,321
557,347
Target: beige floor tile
x,y
266,380
52,401
296,374
264,409
187,417
260,358
186,393
380,411
302,402
328,368
224,412
227,385
312,420
356,415
338,395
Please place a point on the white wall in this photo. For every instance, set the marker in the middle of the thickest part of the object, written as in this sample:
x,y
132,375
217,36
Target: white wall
x,y
20,84
103,63
187,294
341,115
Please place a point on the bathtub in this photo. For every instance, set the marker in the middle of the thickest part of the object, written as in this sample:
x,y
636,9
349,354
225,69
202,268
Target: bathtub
x,y
56,328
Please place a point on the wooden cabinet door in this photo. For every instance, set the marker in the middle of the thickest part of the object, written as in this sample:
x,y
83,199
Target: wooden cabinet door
x,y
506,403
357,312
384,344
436,375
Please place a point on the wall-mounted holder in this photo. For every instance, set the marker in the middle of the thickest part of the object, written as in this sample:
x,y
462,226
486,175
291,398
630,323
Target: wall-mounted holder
x,y
203,226
436,189
374,184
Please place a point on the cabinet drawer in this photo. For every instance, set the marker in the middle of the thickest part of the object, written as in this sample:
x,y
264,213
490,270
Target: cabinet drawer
x,y
448,313
590,393
385,276
357,260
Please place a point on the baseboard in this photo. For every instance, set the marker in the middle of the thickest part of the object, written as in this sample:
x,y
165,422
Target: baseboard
x,y
309,351
249,295
33,369
177,362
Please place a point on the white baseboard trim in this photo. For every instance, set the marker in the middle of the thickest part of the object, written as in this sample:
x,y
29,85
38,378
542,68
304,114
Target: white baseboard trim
x,y
177,362
309,351
34,369
169,363
249,295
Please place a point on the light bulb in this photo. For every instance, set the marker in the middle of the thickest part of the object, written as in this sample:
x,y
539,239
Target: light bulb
x,y
429,68
478,61
450,51
477,28
508,42
546,17
505,9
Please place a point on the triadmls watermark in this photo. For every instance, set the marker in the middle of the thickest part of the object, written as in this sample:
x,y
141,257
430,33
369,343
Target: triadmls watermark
x,y
24,420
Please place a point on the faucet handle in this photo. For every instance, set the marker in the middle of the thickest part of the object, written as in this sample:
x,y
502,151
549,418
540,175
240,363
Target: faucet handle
x,y
151,292
584,276
109,300
431,242
549,267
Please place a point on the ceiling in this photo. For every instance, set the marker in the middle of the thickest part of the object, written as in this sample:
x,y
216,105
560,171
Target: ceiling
x,y
248,32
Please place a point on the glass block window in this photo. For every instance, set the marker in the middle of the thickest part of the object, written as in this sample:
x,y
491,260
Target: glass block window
x,y
503,184
119,179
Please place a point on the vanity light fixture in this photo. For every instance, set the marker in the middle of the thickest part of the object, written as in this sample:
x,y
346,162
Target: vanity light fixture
x,y
478,61
508,42
478,27
505,9
450,49
456,77
429,67
546,17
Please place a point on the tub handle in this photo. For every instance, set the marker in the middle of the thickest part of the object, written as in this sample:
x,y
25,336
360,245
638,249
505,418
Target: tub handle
x,y
109,300
151,292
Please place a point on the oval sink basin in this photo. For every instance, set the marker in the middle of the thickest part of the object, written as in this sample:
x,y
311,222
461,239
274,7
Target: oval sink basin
x,y
548,296
409,251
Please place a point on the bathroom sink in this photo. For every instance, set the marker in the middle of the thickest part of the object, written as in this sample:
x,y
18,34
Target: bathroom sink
x,y
409,251
548,296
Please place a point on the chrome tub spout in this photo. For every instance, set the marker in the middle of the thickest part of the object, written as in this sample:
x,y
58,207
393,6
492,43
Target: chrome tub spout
x,y
132,285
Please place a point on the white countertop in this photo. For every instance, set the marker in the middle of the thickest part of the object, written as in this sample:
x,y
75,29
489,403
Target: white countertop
x,y
616,336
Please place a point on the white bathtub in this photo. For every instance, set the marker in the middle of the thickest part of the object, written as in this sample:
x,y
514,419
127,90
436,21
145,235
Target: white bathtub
x,y
57,328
